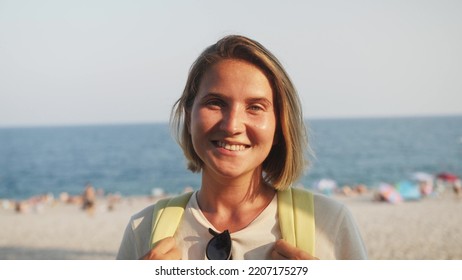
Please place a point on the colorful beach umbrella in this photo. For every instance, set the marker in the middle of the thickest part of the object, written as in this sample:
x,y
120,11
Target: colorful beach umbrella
x,y
446,176
408,190
389,193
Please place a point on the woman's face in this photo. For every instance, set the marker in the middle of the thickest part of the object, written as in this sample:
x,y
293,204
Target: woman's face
x,y
233,120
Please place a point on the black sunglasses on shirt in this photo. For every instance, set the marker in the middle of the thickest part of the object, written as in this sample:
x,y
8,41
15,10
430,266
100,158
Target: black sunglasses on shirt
x,y
219,247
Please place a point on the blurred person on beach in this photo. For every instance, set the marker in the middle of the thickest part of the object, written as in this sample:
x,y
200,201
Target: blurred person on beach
x,y
89,199
457,187
240,124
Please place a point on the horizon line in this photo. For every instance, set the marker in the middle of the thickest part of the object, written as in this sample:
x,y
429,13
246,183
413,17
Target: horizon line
x,y
147,122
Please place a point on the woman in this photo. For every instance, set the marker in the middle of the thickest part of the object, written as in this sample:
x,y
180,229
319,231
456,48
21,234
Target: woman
x,y
240,123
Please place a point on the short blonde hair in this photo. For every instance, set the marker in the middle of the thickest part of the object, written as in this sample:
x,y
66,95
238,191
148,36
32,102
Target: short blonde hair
x,y
286,161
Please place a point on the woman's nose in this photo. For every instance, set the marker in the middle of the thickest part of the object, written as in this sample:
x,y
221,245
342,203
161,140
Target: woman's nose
x,y
233,121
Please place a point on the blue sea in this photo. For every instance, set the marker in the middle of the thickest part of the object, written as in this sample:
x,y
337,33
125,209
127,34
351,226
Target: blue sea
x,y
135,159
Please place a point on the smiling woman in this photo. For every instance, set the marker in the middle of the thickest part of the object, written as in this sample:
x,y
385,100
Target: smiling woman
x,y
286,162
240,123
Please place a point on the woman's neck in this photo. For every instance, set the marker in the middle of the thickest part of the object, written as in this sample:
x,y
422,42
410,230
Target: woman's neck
x,y
233,204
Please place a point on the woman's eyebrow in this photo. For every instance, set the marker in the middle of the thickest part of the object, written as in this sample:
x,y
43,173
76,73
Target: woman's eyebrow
x,y
213,95
265,101
262,100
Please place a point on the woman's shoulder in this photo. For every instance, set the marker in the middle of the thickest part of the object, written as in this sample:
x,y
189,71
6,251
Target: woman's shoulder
x,y
146,214
143,217
335,223
328,205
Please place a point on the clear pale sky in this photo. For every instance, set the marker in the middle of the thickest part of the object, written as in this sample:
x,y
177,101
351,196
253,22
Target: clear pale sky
x,y
108,61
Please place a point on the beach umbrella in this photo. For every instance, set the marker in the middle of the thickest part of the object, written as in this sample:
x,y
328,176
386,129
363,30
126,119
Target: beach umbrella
x,y
326,186
446,176
389,193
408,190
422,177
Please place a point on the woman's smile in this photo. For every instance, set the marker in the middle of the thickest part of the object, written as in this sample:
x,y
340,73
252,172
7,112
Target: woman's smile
x,y
230,146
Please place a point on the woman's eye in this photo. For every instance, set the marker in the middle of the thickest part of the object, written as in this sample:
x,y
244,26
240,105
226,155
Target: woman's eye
x,y
214,103
255,108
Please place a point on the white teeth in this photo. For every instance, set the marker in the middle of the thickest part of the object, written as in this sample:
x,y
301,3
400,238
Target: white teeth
x,y
231,147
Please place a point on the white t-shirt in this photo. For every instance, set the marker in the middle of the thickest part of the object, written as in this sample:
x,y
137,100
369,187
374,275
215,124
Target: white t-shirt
x,y
252,242
336,236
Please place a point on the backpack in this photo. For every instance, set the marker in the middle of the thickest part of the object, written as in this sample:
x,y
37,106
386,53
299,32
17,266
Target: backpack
x,y
295,208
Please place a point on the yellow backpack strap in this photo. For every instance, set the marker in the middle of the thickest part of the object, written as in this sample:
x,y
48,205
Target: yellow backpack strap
x,y
166,216
296,218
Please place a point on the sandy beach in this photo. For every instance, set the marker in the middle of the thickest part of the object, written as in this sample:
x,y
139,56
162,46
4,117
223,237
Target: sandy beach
x,y
425,229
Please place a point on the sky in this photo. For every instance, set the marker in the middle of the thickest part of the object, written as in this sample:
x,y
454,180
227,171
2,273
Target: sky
x,y
66,62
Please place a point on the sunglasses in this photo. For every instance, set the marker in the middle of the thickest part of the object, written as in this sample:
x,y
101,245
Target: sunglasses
x,y
219,247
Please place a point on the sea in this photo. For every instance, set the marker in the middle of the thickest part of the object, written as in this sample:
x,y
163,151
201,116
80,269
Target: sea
x,y
142,159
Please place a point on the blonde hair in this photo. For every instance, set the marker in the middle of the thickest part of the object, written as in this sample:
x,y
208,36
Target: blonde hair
x,y
286,161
